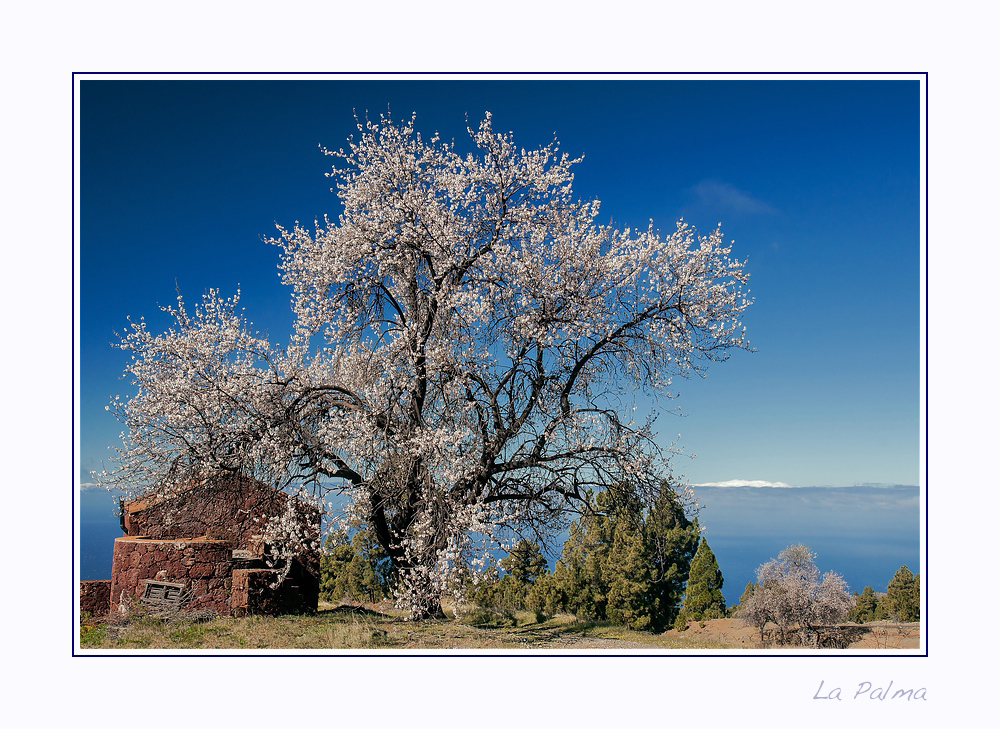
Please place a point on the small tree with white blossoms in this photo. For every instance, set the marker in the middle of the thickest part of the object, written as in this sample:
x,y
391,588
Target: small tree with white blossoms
x,y
468,347
790,592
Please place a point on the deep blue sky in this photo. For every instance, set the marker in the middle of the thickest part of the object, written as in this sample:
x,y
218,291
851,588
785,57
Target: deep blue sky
x,y
818,183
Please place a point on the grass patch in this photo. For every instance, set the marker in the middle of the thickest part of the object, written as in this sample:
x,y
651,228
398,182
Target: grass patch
x,y
380,627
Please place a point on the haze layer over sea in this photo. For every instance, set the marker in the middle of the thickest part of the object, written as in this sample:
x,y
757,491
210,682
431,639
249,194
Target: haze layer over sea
x,y
864,533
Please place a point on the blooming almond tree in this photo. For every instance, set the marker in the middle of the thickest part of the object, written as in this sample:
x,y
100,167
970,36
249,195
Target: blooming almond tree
x,y
790,592
468,350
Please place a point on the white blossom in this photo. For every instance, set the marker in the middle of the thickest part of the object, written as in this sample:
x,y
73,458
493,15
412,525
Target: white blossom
x,y
468,350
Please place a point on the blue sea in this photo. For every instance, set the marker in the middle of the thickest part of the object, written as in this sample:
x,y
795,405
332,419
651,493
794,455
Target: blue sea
x,y
864,533
99,527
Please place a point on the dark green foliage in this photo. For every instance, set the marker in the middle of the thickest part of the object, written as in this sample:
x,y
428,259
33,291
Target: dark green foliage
x,y
703,598
501,593
902,597
357,569
524,562
580,570
496,599
747,592
672,541
865,607
627,564
544,598
627,570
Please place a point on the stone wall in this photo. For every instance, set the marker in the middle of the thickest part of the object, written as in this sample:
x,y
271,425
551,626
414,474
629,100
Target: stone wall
x,y
203,565
230,508
189,536
253,593
95,597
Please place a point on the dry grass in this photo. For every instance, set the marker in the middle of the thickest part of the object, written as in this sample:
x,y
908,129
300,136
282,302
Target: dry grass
x,y
380,628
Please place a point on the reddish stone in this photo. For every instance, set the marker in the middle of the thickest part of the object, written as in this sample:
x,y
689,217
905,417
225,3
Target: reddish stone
x,y
95,597
201,569
189,539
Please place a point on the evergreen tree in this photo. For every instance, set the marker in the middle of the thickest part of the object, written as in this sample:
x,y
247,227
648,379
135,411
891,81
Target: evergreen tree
x,y
703,598
499,595
544,597
865,606
902,597
629,579
747,593
357,569
580,570
524,562
672,540
627,564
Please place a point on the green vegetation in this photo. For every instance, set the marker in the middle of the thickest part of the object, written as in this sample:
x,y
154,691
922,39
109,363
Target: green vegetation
x,y
769,601
621,563
626,575
865,607
357,569
900,603
502,611
902,598
381,627
525,562
703,598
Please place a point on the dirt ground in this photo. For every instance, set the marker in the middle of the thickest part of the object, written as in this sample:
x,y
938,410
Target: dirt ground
x,y
879,635
354,627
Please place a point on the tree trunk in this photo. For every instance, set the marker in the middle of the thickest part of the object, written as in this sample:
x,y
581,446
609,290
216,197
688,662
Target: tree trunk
x,y
417,591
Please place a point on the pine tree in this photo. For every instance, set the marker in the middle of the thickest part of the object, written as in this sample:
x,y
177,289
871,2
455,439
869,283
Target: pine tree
x,y
579,573
357,569
628,564
628,575
865,606
544,597
524,562
703,598
672,540
902,597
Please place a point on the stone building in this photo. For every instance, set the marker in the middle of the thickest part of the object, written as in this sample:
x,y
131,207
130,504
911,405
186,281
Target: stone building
x,y
202,548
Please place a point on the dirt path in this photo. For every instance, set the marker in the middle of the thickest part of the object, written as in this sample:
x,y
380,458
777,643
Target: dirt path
x,y
582,642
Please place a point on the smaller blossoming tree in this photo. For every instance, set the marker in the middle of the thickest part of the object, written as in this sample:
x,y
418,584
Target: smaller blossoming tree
x,y
791,593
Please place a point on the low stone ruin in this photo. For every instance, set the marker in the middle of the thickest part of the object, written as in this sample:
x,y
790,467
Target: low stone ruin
x,y
201,549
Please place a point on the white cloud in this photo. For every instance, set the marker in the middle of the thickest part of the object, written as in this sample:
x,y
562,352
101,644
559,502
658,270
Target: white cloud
x,y
742,483
722,195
